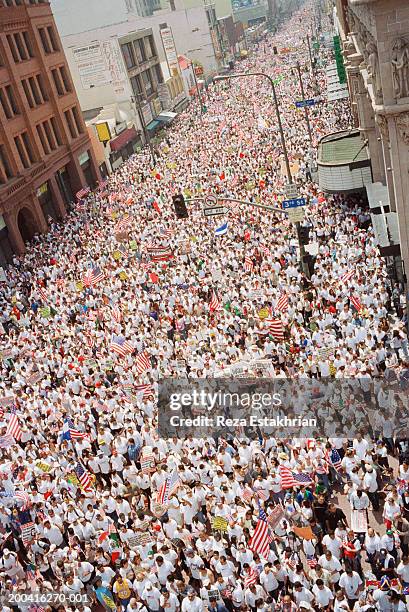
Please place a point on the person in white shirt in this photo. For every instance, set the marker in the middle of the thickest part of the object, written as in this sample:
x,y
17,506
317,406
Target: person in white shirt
x,y
169,602
323,595
329,562
403,571
151,595
268,581
192,603
372,544
350,582
331,542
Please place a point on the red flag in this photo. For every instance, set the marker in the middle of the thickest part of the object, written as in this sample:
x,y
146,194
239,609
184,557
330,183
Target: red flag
x,y
247,235
222,176
153,277
156,207
158,176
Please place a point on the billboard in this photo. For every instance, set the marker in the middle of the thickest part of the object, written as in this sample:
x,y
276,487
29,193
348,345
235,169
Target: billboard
x,y
170,50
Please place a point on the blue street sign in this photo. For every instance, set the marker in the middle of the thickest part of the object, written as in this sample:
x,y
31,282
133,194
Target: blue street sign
x,y
303,103
295,203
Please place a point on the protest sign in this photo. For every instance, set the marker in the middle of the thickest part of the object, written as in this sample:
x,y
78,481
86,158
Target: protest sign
x,y
219,523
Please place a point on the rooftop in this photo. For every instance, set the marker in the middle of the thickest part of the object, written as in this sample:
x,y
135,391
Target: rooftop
x,y
342,148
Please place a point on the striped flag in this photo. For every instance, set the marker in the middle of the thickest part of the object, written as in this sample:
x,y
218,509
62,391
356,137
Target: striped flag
x,y
102,184
291,479
356,303
143,362
250,577
333,458
90,340
276,328
70,433
121,346
248,264
123,225
23,497
96,276
147,390
13,426
168,488
260,542
82,192
347,276
60,282
160,253
311,561
247,494
83,476
214,303
116,313
282,304
42,293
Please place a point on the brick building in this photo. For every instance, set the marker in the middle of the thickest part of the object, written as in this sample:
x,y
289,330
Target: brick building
x,y
45,152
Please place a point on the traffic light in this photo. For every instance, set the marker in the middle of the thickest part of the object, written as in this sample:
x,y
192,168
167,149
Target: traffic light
x,y
180,206
275,51
303,234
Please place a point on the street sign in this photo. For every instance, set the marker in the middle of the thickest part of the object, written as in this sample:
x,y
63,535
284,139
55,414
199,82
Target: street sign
x,y
290,191
294,203
303,103
296,215
215,210
211,200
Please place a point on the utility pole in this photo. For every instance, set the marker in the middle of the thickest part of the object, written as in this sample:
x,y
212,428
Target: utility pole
x,y
310,54
306,112
199,93
226,77
139,112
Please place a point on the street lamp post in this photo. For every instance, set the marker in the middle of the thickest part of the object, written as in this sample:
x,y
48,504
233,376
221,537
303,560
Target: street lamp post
x,y
310,54
226,77
306,113
139,112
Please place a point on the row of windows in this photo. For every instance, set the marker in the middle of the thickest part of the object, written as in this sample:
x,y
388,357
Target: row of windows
x,y
20,2
49,136
35,91
143,84
21,47
138,51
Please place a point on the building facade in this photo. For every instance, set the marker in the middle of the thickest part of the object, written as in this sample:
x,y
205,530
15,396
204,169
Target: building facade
x,y
45,152
375,37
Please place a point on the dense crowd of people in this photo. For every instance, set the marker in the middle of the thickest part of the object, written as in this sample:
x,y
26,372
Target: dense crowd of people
x,y
98,512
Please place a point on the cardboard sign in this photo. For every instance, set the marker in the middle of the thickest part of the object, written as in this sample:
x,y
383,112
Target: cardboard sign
x,y
275,517
6,401
141,539
219,523
116,255
35,378
158,510
44,467
359,522
305,533
326,352
79,286
263,313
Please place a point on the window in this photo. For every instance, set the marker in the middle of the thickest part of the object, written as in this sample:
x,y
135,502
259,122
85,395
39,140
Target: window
x,y
28,44
150,46
13,49
40,83
53,38
147,81
158,72
5,105
27,91
65,79
34,91
57,82
70,123
20,46
128,53
21,152
42,138
56,131
12,100
44,40
50,137
4,161
137,85
28,147
77,120
142,49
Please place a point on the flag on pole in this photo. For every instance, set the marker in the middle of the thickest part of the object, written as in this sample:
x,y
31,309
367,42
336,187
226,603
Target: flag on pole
x,y
347,276
356,303
214,303
168,488
220,231
83,476
291,479
82,192
69,432
260,541
333,458
143,362
13,425
282,304
248,264
276,329
250,577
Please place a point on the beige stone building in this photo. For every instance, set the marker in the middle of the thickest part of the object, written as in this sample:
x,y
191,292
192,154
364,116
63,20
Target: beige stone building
x,y
375,35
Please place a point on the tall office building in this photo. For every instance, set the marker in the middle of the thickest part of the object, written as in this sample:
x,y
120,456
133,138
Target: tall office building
x,y
45,153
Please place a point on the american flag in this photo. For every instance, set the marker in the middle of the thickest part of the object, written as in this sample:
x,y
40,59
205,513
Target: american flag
x,y
42,293
347,276
265,250
250,577
160,253
102,184
356,303
248,263
260,542
95,276
247,494
333,457
23,497
214,303
282,304
71,433
13,426
82,192
116,313
311,561
276,328
169,487
166,233
291,479
121,346
147,390
90,340
31,571
83,476
123,225
6,441
143,362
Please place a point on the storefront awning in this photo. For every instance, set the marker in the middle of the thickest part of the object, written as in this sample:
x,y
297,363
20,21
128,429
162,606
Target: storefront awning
x,y
167,116
122,140
153,125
